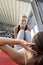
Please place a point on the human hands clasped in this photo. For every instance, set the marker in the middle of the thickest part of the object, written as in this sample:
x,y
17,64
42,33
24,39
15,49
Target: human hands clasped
x,y
28,46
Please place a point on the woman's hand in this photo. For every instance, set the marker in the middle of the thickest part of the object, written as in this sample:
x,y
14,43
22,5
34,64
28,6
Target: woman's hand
x,y
26,44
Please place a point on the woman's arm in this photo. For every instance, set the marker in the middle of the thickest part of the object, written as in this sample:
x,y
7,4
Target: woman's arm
x,y
4,41
15,31
14,55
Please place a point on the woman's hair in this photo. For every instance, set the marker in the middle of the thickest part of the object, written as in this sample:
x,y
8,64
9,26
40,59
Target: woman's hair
x,y
24,16
39,60
38,40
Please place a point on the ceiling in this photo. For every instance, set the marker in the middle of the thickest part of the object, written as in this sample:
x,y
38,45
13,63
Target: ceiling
x,y
12,10
26,0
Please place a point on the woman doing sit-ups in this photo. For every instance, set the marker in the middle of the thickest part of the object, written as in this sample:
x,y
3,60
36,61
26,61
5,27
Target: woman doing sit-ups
x,y
32,56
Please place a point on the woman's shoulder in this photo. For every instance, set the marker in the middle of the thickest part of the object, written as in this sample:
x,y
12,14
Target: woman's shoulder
x,y
15,28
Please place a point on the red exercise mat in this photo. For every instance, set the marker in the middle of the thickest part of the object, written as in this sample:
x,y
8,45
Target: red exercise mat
x,y
6,60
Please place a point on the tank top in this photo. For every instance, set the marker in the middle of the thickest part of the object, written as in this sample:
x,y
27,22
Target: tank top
x,y
19,28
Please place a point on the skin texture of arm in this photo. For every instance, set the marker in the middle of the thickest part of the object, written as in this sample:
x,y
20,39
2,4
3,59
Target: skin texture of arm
x,y
4,41
14,55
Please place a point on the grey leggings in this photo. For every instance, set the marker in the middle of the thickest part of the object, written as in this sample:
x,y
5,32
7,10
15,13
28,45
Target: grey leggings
x,y
23,35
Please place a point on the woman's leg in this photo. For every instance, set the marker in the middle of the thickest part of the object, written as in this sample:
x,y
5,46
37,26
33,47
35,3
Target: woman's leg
x,y
20,34
27,36
21,37
16,56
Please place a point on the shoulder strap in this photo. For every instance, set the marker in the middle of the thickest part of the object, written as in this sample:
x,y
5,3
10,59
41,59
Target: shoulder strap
x,y
26,27
18,28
